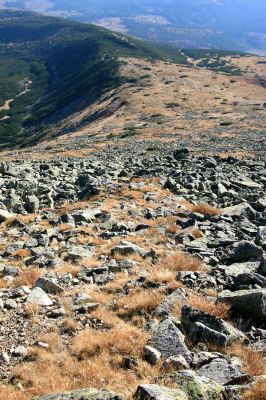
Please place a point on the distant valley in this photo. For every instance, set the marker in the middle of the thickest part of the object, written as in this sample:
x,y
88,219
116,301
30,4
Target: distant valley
x,y
223,24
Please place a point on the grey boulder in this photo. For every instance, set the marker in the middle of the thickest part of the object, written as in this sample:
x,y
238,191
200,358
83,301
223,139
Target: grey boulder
x,y
224,372
169,340
248,303
84,394
155,392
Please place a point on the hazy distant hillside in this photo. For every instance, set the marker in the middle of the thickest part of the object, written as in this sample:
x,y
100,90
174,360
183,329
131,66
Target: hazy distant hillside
x,y
237,24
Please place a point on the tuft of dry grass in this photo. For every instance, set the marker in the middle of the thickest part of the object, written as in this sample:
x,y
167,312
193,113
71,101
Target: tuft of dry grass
x,y
197,233
159,275
180,261
257,392
200,302
28,278
123,340
64,227
253,361
139,301
10,393
219,310
68,268
4,284
68,325
204,209
107,316
22,254
171,229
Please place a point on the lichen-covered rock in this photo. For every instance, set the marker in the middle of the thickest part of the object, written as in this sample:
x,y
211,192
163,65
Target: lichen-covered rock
x,y
84,394
224,372
198,387
155,392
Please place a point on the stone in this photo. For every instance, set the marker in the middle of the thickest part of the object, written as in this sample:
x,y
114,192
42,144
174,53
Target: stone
x,y
236,269
4,215
39,297
199,387
247,303
224,372
10,304
4,358
261,237
20,351
32,204
245,251
151,355
11,271
126,248
48,286
83,394
169,340
236,210
166,307
181,154
203,327
176,362
155,392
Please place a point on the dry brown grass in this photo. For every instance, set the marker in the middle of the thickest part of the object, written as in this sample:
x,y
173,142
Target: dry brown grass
x,y
123,340
4,283
64,227
172,229
53,339
180,261
53,373
204,209
219,310
68,268
107,316
257,392
68,325
161,275
28,278
10,393
139,301
253,361
197,233
22,254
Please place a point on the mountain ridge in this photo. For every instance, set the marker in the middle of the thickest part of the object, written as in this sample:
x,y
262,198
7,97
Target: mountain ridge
x,y
196,23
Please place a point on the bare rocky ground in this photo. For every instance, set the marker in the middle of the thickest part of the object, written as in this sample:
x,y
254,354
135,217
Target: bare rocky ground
x,y
139,272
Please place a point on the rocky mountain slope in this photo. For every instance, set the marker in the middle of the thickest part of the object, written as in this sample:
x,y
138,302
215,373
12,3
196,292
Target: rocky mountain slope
x,y
133,220
133,273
